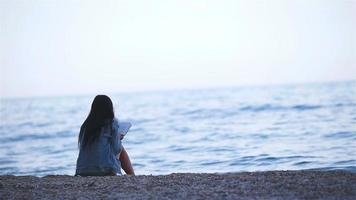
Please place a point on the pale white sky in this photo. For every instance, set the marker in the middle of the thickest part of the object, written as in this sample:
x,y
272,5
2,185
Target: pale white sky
x,y
68,47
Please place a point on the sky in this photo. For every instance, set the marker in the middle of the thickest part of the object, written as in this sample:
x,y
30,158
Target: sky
x,y
62,47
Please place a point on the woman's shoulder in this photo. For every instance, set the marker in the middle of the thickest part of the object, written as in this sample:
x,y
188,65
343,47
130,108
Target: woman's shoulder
x,y
112,121
115,122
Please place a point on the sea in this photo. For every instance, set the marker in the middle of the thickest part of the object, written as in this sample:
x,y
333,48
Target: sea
x,y
225,129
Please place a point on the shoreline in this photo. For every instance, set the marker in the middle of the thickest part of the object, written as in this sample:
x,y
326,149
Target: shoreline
x,y
303,184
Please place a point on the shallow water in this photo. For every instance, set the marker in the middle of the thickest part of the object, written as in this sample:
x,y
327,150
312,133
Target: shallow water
x,y
212,130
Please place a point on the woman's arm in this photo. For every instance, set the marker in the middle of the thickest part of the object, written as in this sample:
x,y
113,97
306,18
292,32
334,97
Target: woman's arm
x,y
125,162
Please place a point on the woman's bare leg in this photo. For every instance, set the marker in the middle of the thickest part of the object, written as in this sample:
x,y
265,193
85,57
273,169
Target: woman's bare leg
x,y
125,162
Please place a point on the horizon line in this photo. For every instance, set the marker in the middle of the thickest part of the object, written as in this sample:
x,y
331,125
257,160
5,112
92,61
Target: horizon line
x,y
150,90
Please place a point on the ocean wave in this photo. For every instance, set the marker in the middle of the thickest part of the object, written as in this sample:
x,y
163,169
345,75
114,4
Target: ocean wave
x,y
346,162
234,111
303,163
38,136
341,134
271,107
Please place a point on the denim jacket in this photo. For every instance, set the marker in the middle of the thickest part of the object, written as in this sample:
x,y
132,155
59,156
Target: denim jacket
x,y
100,157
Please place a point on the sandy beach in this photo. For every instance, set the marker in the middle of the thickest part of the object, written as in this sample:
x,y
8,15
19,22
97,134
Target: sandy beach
x,y
244,185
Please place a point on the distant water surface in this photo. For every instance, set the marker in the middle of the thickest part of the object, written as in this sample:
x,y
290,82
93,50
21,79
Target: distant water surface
x,y
310,126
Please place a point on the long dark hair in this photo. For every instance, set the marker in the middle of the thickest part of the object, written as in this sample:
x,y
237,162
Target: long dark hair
x,y
101,113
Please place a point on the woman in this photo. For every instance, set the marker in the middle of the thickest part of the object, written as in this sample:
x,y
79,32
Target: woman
x,y
100,150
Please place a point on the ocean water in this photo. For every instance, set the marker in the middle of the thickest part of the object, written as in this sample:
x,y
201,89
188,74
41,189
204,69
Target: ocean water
x,y
291,127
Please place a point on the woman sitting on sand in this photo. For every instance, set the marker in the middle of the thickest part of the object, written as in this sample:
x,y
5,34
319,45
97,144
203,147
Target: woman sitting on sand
x,y
100,150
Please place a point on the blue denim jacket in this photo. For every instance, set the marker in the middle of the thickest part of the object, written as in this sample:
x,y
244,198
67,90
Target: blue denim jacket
x,y
100,157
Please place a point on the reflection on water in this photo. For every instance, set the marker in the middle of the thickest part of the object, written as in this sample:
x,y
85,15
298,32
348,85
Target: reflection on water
x,y
212,130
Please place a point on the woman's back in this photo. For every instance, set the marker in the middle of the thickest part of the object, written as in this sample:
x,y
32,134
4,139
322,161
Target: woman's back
x,y
100,157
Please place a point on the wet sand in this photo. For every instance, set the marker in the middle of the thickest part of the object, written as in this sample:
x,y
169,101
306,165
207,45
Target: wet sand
x,y
245,185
